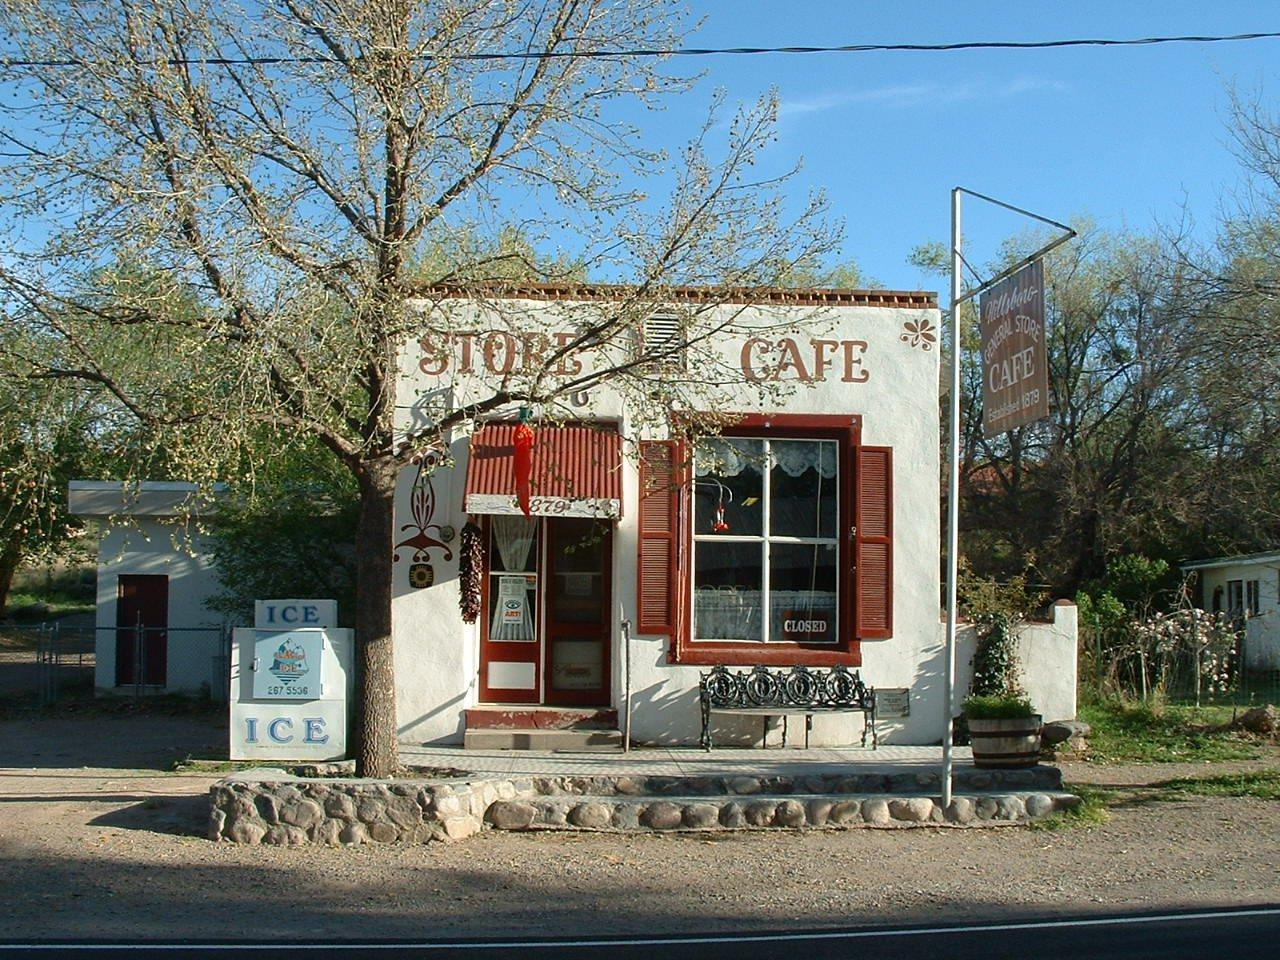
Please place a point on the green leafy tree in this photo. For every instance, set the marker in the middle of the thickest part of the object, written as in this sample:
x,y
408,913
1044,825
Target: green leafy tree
x,y
291,535
50,434
290,167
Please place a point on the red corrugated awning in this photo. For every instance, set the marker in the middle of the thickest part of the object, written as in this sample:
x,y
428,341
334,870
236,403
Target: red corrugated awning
x,y
577,471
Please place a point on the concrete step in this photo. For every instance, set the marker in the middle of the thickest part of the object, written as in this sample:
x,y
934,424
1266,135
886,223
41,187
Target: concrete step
x,y
502,717
774,811
535,739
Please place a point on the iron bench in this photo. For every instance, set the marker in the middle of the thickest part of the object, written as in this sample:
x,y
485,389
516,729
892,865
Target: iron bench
x,y
775,693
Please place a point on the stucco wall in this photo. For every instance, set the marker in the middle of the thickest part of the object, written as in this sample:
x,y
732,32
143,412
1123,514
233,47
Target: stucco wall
x,y
149,546
437,656
1046,662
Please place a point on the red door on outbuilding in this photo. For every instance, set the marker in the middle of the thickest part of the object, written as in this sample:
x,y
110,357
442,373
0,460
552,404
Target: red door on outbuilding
x,y
142,600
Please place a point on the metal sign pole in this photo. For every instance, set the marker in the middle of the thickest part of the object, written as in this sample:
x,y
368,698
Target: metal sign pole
x,y
953,483
953,504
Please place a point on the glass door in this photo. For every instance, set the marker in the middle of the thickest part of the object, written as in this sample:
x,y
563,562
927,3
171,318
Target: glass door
x,y
578,593
510,651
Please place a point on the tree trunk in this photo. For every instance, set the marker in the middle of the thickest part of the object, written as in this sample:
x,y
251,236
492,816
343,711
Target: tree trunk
x,y
9,558
377,754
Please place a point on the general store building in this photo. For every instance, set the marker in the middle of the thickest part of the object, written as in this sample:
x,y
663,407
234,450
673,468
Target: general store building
x,y
806,531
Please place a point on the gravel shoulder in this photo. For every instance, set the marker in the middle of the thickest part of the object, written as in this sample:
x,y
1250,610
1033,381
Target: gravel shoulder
x,y
94,851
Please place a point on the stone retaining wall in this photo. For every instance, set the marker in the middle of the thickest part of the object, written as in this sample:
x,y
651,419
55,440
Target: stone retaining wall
x,y
747,812
292,811
275,807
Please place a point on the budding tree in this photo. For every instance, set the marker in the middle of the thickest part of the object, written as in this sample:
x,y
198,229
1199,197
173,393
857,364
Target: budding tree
x,y
288,174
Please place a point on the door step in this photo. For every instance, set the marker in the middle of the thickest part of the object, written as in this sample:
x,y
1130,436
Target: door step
x,y
496,738
541,718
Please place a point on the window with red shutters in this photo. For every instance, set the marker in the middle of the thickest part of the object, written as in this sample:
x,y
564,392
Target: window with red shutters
x,y
656,590
864,544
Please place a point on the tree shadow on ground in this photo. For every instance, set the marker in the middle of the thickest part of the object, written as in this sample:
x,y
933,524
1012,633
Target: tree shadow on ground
x,y
182,816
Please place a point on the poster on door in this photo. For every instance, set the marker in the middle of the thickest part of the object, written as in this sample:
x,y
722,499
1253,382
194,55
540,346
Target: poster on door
x,y
512,618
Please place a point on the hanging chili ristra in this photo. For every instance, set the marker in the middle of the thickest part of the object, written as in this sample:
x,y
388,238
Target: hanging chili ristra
x,y
470,571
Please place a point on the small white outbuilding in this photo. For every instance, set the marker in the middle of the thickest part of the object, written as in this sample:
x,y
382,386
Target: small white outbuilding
x,y
153,633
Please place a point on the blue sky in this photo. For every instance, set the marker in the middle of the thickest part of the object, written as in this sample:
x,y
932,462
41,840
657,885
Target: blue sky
x,y
1126,136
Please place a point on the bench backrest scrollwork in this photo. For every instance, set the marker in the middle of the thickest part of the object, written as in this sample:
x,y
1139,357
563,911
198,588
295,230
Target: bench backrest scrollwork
x,y
835,688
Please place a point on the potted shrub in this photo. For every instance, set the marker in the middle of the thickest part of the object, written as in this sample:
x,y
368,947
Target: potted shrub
x,y
1003,730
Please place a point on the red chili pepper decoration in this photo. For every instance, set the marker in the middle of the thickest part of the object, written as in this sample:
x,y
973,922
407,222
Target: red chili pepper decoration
x,y
524,465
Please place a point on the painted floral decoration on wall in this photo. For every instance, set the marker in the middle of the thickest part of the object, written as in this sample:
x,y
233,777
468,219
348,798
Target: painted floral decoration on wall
x,y
426,535
920,333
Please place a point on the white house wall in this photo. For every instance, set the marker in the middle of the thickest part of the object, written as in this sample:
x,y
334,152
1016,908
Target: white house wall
x,y
437,656
1262,633
149,546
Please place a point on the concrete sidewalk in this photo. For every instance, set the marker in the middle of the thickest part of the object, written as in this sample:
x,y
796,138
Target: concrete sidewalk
x,y
684,761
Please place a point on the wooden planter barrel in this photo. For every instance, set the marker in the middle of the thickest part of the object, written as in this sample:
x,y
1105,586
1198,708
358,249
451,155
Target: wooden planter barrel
x,y
1008,742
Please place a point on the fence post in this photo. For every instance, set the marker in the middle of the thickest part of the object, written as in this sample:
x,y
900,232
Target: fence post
x,y
139,663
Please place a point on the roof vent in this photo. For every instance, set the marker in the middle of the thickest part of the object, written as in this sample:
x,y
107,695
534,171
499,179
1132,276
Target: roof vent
x,y
663,344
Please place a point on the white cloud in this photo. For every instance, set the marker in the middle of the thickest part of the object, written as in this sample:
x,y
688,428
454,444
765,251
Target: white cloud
x,y
918,94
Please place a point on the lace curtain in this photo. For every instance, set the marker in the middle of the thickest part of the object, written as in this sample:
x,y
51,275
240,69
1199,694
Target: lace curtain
x,y
726,613
513,611
730,456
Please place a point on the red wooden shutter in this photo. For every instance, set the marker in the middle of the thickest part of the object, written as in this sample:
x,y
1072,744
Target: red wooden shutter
x,y
657,591
873,543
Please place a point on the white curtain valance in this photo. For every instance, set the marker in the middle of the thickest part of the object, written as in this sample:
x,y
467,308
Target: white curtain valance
x,y
730,456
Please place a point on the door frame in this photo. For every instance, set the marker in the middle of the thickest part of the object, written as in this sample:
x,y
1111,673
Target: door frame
x,y
540,695
596,697
153,671
516,651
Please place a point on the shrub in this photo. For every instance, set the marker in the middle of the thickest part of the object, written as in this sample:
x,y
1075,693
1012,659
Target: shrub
x,y
997,707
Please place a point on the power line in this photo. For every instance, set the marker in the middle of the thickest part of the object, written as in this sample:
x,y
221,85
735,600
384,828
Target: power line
x,y
684,51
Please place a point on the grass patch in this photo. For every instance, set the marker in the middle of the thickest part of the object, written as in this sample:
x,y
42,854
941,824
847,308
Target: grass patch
x,y
1137,733
189,764
27,607
1090,812
26,705
1263,784
1096,803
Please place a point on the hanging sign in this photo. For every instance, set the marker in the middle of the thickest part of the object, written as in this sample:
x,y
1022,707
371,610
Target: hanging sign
x,y
1015,370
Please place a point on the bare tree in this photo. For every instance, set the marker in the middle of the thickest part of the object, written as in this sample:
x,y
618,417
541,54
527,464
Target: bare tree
x,y
289,176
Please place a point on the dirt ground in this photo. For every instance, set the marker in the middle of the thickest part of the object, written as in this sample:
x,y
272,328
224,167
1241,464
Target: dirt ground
x,y
97,842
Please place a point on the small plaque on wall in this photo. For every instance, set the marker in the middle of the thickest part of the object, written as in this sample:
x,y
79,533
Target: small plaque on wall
x,y
893,702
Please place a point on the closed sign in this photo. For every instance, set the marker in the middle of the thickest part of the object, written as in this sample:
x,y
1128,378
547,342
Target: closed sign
x,y
801,626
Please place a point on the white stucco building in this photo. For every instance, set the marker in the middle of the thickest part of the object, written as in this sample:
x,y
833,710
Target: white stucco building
x,y
806,532
153,571
1246,587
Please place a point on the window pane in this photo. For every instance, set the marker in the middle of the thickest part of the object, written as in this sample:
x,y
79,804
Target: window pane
x,y
802,586
514,545
803,481
729,487
726,591
578,564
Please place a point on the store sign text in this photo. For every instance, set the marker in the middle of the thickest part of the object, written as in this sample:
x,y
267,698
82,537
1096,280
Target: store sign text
x,y
790,359
500,352
762,360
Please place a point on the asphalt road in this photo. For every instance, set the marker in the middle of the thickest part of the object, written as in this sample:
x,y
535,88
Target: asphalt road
x,y
1241,934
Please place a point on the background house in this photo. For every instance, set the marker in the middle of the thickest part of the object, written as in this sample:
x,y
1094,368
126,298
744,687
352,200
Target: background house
x,y
1247,587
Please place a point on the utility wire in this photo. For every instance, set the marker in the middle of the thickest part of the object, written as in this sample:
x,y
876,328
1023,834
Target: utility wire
x,y
681,52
